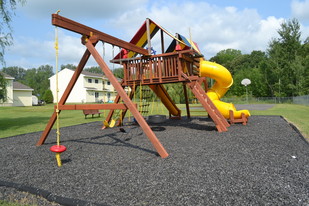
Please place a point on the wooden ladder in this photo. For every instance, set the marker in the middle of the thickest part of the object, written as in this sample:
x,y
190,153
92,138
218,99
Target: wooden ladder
x,y
220,122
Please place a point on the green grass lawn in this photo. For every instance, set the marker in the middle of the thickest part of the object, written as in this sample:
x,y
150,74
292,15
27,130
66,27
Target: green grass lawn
x,y
21,120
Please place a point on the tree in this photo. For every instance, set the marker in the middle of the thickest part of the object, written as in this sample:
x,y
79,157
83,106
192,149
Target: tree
x,y
283,53
48,96
176,92
95,69
305,63
246,66
257,88
38,79
118,73
6,12
68,66
17,72
3,83
226,57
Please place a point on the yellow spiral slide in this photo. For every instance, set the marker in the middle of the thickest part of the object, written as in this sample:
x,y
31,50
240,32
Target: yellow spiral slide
x,y
223,82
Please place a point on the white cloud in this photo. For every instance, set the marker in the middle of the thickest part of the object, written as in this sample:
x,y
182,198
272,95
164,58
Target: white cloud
x,y
213,28
28,50
300,9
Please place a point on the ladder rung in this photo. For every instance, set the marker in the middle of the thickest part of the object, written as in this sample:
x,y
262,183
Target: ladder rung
x,y
144,105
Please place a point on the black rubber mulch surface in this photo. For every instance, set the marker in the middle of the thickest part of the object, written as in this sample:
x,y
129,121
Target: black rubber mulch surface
x,y
263,163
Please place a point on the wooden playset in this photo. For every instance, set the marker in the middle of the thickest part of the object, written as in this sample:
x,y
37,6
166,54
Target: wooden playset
x,y
179,63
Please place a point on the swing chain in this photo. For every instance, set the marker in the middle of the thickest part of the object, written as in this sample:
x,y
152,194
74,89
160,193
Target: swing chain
x,y
120,50
103,47
113,51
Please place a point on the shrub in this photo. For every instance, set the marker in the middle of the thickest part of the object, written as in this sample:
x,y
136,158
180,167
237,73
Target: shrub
x,y
48,96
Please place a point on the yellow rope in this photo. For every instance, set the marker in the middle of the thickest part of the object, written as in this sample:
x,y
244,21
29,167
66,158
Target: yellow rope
x,y
57,88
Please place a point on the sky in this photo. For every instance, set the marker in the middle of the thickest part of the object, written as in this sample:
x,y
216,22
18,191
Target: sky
x,y
214,25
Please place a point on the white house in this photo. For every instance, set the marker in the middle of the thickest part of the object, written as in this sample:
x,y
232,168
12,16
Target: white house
x,y
89,87
18,94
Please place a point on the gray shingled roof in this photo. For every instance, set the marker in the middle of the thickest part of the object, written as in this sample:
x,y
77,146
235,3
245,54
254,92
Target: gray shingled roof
x,y
90,74
86,73
7,76
18,85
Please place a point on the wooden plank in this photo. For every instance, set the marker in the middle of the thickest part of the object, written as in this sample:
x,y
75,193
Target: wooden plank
x,y
211,109
67,107
148,35
182,56
150,70
92,106
180,69
162,42
167,68
160,70
125,72
74,26
175,66
187,100
101,106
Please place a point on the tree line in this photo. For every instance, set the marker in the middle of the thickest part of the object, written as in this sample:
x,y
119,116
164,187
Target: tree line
x,y
280,71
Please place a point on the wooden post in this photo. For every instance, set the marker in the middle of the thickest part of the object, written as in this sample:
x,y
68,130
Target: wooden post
x,y
148,36
180,69
125,72
162,41
186,98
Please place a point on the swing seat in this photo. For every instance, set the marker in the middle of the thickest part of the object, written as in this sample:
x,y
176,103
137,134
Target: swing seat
x,y
112,124
157,118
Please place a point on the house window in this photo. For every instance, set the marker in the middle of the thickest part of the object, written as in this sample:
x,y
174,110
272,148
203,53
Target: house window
x,y
89,80
108,83
96,94
96,81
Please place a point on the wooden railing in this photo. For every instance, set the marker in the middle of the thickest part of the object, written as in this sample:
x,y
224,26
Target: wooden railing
x,y
160,69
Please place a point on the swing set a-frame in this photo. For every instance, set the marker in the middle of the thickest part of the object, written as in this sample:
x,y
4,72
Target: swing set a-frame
x,y
179,63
